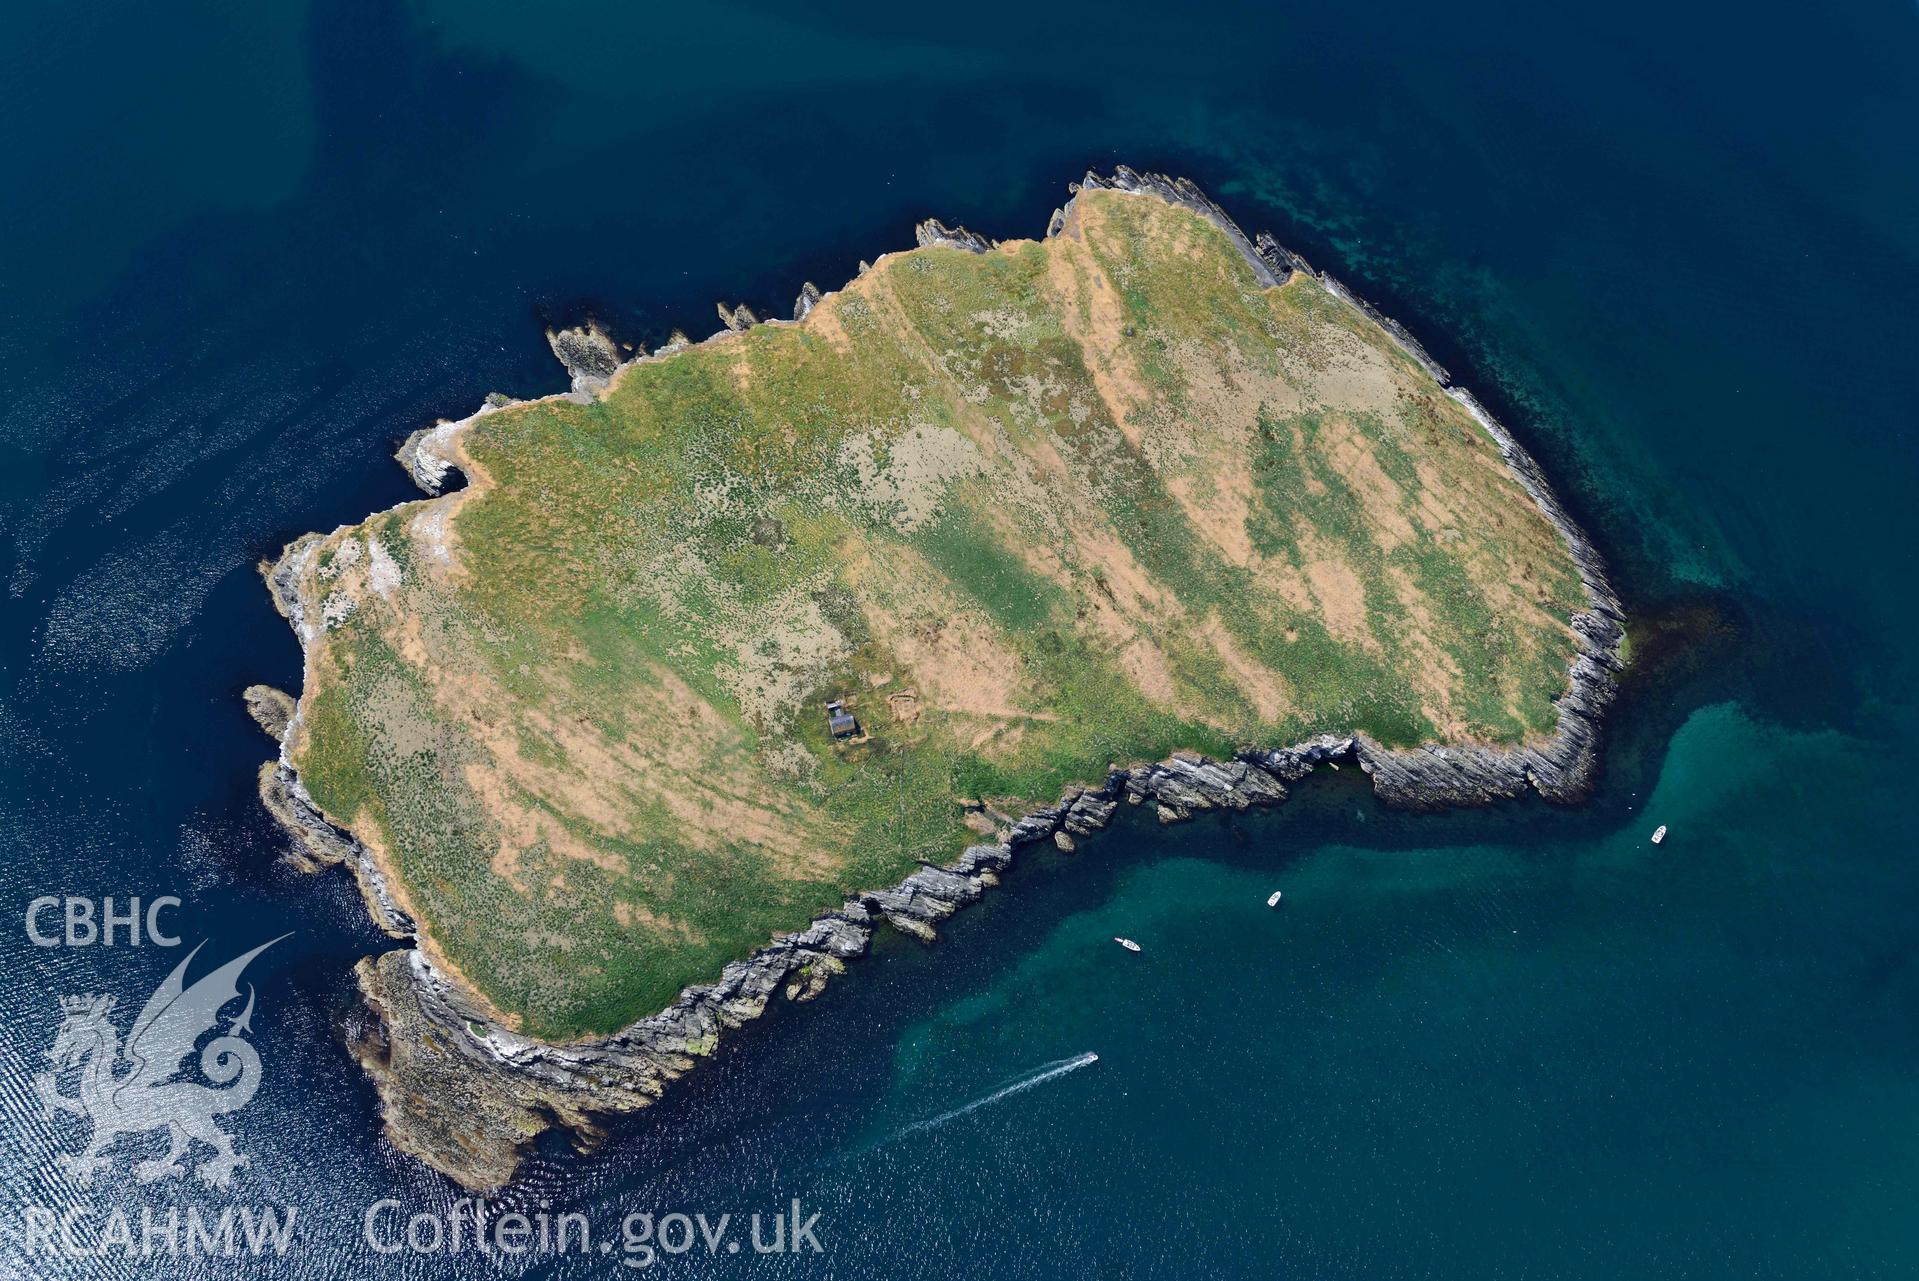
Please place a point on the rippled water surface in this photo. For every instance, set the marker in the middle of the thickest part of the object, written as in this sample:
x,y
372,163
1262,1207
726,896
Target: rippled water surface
x,y
243,252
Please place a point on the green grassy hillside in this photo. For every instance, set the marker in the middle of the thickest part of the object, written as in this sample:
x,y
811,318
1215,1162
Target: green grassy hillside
x,y
1028,513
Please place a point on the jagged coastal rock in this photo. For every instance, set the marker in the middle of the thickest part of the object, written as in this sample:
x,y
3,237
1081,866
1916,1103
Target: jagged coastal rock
x,y
270,708
465,1093
933,232
591,357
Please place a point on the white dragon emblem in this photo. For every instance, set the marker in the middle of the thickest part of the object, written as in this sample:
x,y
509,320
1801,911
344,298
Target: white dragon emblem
x,y
146,1096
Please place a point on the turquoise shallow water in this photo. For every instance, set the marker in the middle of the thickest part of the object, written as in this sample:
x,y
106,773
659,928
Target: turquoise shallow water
x,y
1678,248
1491,1054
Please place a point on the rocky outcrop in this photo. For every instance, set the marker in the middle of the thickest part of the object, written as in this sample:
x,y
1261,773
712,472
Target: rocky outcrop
x,y
318,844
420,454
1271,264
429,454
933,232
270,708
465,1093
590,355
738,319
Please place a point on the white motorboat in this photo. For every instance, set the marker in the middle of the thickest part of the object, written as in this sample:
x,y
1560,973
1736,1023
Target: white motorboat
x,y
1659,834
1272,900
1128,944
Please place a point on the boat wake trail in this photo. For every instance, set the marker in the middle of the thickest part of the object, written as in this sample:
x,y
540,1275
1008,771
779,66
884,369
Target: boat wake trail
x,y
1050,1072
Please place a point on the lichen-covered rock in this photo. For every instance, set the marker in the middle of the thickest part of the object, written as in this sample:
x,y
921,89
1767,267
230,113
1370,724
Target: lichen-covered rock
x,y
934,232
591,357
270,709
738,319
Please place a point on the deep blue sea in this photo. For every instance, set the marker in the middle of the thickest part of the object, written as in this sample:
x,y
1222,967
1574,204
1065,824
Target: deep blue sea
x,y
244,249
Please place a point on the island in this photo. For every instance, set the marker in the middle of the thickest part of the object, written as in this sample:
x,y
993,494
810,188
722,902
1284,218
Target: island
x,y
741,647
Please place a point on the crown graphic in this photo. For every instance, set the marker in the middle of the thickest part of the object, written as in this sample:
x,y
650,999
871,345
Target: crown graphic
x,y
87,1004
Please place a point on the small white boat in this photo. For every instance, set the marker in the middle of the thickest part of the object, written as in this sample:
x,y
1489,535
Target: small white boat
x,y
1272,900
1128,944
1659,834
